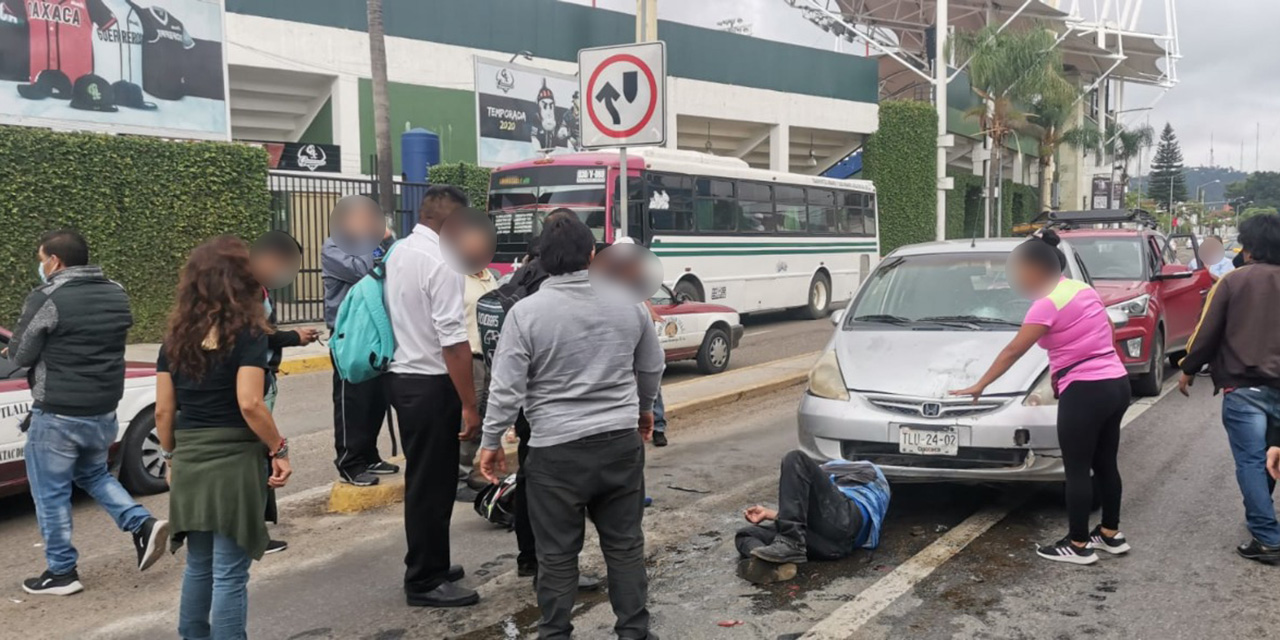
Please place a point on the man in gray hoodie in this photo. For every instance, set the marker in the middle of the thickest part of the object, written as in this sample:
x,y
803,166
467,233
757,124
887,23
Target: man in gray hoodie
x,y
586,370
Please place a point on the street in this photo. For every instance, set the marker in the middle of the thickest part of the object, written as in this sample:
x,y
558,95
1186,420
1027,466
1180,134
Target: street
x,y
955,560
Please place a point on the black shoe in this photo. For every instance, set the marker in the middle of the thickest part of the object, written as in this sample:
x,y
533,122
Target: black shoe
x,y
53,585
1064,551
526,567
1258,552
1115,545
456,573
362,479
448,594
783,550
149,541
586,582
383,468
276,546
659,438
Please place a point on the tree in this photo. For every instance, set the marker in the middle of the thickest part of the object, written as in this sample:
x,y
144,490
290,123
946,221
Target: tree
x,y
1051,117
381,107
1262,188
1126,144
1006,69
1167,185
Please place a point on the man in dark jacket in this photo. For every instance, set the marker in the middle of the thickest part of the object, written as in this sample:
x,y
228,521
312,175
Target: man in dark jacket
x,y
358,409
1237,338
72,337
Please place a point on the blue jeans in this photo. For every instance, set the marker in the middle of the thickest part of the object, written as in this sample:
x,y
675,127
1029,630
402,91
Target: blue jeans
x,y
1245,413
60,451
659,414
215,589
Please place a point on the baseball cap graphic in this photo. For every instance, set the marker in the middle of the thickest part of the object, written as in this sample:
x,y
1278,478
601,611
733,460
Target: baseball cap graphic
x,y
93,93
129,94
50,82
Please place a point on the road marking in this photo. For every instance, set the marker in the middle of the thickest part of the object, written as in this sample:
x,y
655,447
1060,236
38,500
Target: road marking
x,y
752,334
850,617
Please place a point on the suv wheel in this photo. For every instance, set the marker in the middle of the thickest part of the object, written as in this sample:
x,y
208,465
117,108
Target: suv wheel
x,y
1149,384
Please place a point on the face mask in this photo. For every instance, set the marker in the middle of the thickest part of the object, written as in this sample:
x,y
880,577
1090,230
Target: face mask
x,y
43,278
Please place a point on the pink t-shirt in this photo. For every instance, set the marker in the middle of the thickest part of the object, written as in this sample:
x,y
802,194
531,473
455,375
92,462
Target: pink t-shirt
x,y
1079,331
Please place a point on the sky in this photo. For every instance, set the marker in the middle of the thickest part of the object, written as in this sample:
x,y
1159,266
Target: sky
x,y
1229,73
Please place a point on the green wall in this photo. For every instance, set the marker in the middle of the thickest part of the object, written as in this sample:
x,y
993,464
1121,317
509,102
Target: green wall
x,y
557,30
451,113
320,131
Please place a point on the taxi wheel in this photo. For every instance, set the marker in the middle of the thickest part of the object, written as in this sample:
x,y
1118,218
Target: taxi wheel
x,y
713,357
142,468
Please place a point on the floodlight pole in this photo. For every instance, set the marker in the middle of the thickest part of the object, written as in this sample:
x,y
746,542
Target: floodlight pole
x,y
940,102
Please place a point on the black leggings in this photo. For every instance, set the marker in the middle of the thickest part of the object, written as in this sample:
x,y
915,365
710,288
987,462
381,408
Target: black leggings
x,y
1089,416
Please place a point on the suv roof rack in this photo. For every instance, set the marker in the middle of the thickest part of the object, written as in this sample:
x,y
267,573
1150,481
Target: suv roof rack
x,y
1078,219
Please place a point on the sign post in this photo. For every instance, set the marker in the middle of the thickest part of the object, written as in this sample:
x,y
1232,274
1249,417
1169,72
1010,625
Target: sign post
x,y
624,89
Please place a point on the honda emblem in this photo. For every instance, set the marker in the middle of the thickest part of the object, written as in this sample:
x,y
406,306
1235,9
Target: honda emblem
x,y
931,409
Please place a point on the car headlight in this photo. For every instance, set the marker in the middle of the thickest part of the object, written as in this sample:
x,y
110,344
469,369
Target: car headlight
x,y
1041,394
825,379
1135,308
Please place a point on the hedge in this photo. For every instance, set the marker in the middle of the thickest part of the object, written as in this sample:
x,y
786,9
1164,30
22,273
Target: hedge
x,y
472,179
900,157
141,203
964,206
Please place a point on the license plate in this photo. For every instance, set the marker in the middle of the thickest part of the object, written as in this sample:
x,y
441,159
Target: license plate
x,y
933,441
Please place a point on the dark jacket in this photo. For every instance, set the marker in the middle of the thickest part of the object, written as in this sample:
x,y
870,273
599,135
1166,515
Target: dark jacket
x,y
72,336
277,340
1237,335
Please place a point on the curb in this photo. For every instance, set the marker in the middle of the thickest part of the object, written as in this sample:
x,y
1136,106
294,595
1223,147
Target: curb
x,y
721,399
305,364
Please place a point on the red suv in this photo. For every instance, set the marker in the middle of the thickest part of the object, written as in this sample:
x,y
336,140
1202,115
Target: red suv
x,y
1139,271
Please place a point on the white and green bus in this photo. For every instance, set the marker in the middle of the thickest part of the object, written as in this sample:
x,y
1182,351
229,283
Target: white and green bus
x,y
746,238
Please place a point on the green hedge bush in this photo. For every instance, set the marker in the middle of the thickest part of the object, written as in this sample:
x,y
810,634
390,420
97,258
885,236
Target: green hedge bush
x,y
141,203
900,158
473,179
964,206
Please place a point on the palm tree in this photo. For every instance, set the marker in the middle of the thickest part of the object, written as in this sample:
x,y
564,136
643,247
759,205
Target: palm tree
x,y
381,107
1052,120
1125,144
1009,68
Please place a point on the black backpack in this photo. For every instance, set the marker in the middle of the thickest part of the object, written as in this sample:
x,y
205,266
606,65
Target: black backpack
x,y
492,307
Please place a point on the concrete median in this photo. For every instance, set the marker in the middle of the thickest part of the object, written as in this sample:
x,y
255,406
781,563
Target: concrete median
x,y
681,398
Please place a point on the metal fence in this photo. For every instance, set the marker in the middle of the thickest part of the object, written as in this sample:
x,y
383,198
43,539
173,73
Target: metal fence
x,y
300,205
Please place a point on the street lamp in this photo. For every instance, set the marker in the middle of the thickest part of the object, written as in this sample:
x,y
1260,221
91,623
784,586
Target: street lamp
x,y
1200,197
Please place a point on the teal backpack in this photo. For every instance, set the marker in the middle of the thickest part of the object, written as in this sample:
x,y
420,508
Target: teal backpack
x,y
362,343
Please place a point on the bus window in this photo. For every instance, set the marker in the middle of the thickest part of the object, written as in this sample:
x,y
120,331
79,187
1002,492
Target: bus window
x,y
791,209
757,208
715,206
850,216
670,202
637,208
822,211
869,216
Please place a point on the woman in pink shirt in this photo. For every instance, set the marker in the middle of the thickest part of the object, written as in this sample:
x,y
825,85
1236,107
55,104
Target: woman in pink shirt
x,y
1069,321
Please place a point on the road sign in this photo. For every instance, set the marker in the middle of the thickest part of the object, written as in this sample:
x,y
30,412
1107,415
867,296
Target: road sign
x,y
624,91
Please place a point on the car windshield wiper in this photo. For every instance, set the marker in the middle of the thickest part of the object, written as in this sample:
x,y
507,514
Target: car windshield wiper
x,y
883,318
972,320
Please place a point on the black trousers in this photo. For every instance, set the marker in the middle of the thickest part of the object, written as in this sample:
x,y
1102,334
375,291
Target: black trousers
x,y
601,477
811,510
430,416
1089,416
358,413
524,529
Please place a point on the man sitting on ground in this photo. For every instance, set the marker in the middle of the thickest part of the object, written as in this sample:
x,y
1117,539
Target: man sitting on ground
x,y
824,512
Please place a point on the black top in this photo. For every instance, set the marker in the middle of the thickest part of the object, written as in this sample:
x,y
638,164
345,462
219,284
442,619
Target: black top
x,y
212,401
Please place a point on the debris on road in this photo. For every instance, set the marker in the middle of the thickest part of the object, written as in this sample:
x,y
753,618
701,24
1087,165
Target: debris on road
x,y
686,489
917,530
942,528
730,623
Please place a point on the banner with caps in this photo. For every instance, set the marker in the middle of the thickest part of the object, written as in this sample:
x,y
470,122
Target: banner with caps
x,y
522,111
145,67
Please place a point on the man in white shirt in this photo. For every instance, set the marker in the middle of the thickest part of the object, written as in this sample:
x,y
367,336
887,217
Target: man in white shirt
x,y
1214,256
431,388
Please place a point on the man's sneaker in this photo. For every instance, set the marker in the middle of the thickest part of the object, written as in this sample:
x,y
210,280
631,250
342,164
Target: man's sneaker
x,y
659,438
383,468
276,546
149,540
758,571
362,479
783,550
1256,551
53,585
1064,551
1114,545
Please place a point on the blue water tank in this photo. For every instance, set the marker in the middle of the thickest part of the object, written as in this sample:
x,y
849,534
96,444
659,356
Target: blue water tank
x,y
419,151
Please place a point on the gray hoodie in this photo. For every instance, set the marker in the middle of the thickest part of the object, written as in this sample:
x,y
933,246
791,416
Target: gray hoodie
x,y
341,271
577,364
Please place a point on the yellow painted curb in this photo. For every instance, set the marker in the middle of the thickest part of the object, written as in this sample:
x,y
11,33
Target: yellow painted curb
x,y
720,399
345,498
307,364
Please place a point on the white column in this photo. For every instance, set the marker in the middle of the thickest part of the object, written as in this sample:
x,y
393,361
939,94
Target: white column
x,y
780,147
672,119
346,122
940,102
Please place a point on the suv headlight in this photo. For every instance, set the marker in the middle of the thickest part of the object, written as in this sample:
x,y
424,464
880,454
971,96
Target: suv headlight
x,y
1041,394
1135,308
825,379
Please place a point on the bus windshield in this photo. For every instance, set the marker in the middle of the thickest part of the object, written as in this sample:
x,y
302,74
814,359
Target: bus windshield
x,y
521,199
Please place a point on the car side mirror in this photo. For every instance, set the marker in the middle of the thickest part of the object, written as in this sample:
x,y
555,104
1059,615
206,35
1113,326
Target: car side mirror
x,y
837,317
1174,272
1117,317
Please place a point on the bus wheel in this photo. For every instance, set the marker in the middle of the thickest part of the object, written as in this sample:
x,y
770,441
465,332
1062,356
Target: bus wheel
x,y
819,296
687,291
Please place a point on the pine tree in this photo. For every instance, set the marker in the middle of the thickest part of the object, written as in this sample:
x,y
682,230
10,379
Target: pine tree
x,y
1167,184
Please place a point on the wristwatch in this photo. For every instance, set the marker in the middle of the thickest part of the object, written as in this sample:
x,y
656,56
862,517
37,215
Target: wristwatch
x,y
282,451
167,455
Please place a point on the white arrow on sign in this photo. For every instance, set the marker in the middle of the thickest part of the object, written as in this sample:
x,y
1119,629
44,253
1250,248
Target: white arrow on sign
x,y
624,89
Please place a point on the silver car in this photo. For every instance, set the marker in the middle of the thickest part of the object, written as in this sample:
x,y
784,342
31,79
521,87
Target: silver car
x,y
932,318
